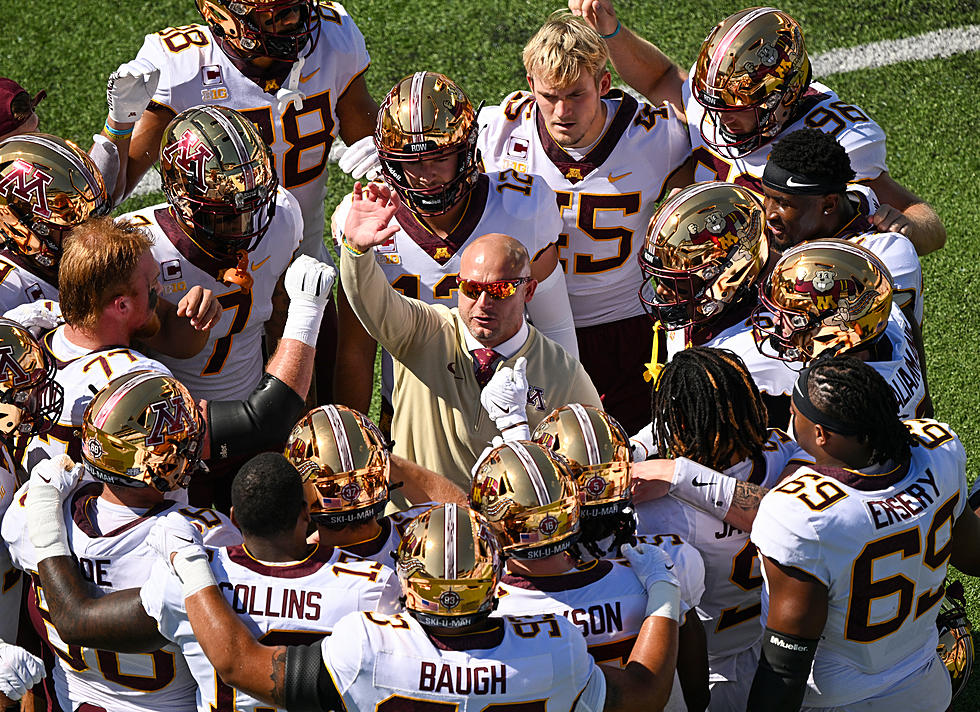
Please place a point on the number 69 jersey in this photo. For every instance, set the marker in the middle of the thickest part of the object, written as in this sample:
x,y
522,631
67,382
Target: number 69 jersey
x,y
293,603
230,364
390,663
194,71
881,544
606,197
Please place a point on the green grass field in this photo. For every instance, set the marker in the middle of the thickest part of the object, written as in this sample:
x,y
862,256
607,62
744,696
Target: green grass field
x,y
928,110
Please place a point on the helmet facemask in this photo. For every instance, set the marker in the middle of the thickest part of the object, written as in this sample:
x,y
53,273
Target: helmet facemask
x,y
240,29
31,400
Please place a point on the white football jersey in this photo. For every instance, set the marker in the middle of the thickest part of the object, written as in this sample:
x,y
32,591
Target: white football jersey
x,y
422,266
881,544
194,71
605,199
230,365
821,108
730,605
771,375
10,578
894,249
294,603
112,560
81,373
380,662
382,548
897,360
18,285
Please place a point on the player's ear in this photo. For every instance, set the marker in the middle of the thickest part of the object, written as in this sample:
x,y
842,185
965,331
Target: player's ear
x,y
605,82
529,288
530,81
820,435
234,521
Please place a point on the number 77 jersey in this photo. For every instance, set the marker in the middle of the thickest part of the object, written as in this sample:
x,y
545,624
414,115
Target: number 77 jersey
x,y
881,544
606,196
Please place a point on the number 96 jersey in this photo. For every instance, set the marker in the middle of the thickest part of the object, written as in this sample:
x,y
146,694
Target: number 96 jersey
x,y
194,71
881,543
606,197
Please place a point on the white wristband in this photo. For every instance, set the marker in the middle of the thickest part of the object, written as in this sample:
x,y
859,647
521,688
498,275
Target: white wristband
x,y
47,532
702,487
303,321
194,571
664,600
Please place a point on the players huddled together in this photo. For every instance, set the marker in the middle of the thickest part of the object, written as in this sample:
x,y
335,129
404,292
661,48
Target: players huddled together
x,y
655,428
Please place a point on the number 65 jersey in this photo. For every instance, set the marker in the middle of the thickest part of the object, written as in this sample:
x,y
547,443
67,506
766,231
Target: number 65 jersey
x,y
880,543
606,197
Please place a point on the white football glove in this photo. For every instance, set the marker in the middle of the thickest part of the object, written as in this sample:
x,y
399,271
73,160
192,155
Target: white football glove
x,y
51,481
309,284
19,670
361,159
653,567
37,317
130,89
505,400
180,544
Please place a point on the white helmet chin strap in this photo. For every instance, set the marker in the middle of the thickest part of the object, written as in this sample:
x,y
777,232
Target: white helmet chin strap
x,y
289,92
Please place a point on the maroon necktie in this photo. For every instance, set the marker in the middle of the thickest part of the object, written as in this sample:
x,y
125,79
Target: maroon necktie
x,y
483,363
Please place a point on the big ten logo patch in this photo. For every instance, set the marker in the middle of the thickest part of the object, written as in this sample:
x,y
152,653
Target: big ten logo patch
x,y
216,94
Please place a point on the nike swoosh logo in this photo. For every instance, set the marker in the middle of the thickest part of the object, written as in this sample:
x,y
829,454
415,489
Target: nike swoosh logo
x,y
308,77
498,406
180,538
792,183
255,267
699,484
668,567
614,179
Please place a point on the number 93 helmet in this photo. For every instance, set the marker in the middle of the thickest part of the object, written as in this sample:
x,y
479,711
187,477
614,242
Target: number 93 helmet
x,y
47,186
30,399
449,564
142,429
528,494
955,647
427,117
219,177
754,60
822,297
704,251
247,29
598,454
344,463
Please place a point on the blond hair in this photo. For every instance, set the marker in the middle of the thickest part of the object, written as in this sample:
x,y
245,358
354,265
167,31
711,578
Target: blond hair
x,y
97,265
563,49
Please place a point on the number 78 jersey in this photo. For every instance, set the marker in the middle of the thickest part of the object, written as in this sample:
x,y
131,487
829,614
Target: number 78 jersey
x,y
606,198
881,544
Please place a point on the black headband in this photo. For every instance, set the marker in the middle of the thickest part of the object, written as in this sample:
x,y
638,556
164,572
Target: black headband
x,y
784,181
801,399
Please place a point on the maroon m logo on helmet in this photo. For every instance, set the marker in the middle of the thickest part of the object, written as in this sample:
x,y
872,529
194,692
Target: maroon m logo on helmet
x,y
26,181
172,418
11,372
189,154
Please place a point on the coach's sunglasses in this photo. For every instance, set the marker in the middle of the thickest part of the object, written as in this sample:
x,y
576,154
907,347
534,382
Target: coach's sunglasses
x,y
501,289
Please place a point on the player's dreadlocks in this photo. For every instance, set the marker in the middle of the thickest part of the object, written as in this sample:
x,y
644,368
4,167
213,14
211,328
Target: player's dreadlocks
x,y
850,391
815,154
707,408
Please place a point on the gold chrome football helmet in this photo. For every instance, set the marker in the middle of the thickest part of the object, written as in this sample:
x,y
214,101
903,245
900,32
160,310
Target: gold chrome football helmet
x,y
449,564
754,60
142,429
704,250
30,399
47,186
219,176
955,647
344,463
426,116
823,297
598,453
243,31
528,494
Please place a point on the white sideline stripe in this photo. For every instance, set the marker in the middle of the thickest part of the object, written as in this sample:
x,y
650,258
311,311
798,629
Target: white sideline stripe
x,y
941,43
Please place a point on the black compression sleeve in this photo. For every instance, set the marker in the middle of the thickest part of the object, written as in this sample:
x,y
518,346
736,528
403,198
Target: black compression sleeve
x,y
309,687
784,666
262,422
